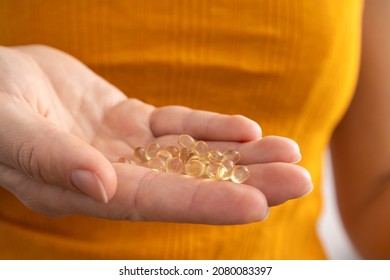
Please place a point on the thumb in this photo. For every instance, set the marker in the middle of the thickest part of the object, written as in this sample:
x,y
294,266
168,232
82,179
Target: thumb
x,y
35,146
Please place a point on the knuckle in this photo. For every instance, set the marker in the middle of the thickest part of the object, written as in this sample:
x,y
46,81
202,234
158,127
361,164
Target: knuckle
x,y
29,162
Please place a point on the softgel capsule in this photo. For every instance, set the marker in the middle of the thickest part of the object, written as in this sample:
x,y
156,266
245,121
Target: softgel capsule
x,y
193,158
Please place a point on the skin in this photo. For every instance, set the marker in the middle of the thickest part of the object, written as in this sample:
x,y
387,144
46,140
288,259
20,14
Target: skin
x,y
58,117
360,145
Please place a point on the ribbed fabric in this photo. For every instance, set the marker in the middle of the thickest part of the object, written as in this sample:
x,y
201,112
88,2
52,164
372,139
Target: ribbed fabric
x,y
290,65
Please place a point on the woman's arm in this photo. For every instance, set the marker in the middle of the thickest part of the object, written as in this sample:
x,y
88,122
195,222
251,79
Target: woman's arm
x,y
361,142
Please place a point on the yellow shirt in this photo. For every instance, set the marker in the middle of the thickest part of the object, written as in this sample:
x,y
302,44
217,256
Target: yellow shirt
x,y
289,65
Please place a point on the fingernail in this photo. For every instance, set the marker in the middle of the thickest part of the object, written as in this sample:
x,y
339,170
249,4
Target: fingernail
x,y
307,174
262,218
298,151
311,186
299,158
87,182
267,214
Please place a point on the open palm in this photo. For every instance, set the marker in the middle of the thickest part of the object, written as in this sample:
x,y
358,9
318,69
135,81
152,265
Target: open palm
x,y
65,127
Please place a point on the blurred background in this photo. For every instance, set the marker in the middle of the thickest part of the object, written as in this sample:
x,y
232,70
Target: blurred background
x,y
330,228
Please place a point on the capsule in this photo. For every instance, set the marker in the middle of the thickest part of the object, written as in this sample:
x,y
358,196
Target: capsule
x,y
216,171
157,164
173,150
195,168
202,148
233,155
164,155
193,154
214,156
151,150
174,165
139,155
184,154
229,164
124,160
240,174
186,141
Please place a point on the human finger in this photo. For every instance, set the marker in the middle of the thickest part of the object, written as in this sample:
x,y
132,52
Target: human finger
x,y
280,181
266,149
147,195
203,125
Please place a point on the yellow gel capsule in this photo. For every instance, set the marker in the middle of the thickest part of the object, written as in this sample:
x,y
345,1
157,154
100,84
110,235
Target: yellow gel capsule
x,y
195,168
240,174
173,150
193,154
164,155
214,156
157,164
184,154
139,155
174,165
186,141
233,155
151,150
202,148
216,171
229,164
124,160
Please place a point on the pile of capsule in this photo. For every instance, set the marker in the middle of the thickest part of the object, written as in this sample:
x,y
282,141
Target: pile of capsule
x,y
192,158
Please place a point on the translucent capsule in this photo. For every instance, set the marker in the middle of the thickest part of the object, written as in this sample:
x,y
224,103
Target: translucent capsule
x,y
202,148
157,164
186,141
233,155
195,168
216,171
240,174
164,155
214,156
173,150
229,164
151,150
174,165
139,155
184,154
193,154
124,160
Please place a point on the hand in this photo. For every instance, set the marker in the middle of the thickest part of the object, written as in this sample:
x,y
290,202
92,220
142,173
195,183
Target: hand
x,y
63,127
